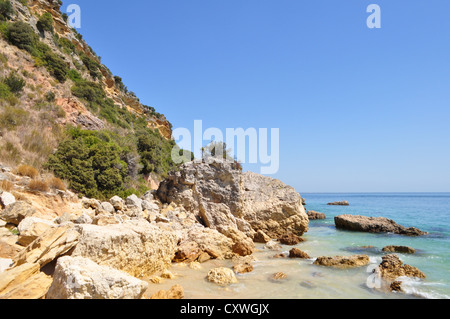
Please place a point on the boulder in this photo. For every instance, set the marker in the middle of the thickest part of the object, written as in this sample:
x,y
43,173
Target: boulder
x,y
261,237
118,203
313,215
81,278
392,267
17,212
187,252
290,239
50,245
343,261
31,228
374,225
16,276
343,203
107,207
150,206
399,249
217,245
175,293
242,268
34,287
224,198
134,202
91,203
84,219
222,276
297,253
135,247
6,199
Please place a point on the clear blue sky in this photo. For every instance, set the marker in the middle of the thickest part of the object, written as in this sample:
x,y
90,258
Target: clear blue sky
x,y
359,109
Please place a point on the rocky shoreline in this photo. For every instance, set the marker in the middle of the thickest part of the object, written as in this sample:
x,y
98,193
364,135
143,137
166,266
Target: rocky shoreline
x,y
206,211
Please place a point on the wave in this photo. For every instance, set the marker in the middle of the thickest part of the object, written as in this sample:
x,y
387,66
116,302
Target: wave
x,y
418,288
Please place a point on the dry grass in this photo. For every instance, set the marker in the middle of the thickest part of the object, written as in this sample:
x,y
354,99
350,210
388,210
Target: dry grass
x,y
38,186
26,170
56,183
6,186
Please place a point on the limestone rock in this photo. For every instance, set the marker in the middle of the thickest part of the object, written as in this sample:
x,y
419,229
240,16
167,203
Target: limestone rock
x,y
343,261
399,249
222,276
81,278
35,287
217,245
107,207
343,203
31,228
187,252
279,276
224,198
6,199
16,212
176,292
313,215
392,267
290,239
243,268
50,245
261,237
16,276
374,225
297,253
135,247
134,201
117,202
84,219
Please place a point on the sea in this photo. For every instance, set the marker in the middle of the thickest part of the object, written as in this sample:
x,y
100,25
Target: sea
x,y
429,212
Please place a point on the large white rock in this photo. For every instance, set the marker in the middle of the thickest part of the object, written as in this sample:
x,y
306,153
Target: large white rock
x,y
136,246
81,278
7,199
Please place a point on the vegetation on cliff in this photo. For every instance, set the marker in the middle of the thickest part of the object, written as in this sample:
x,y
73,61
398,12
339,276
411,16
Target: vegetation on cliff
x,y
107,143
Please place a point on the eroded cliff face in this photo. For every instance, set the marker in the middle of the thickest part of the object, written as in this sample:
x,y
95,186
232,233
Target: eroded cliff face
x,y
76,113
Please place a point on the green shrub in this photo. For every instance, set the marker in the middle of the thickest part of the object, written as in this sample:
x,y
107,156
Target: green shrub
x,y
14,82
92,66
5,92
91,162
6,10
22,36
74,76
45,22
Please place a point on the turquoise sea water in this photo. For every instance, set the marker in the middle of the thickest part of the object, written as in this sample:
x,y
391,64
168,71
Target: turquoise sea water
x,y
429,212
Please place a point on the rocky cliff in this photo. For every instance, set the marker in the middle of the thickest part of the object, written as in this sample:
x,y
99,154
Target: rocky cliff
x,y
61,82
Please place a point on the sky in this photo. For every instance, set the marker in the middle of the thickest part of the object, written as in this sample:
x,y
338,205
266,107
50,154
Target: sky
x,y
358,109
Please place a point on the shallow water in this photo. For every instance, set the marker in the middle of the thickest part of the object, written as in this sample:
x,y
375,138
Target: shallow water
x,y
428,212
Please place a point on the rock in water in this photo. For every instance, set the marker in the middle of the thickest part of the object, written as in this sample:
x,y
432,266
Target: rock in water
x,y
399,249
224,198
343,203
81,278
343,261
312,215
392,267
374,225
222,276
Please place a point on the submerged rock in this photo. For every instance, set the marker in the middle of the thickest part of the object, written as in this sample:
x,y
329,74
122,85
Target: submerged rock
x,y
374,225
297,253
343,203
399,249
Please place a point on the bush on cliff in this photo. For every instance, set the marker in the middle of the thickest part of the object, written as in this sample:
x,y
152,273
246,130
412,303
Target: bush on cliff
x,y
6,10
91,162
45,22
